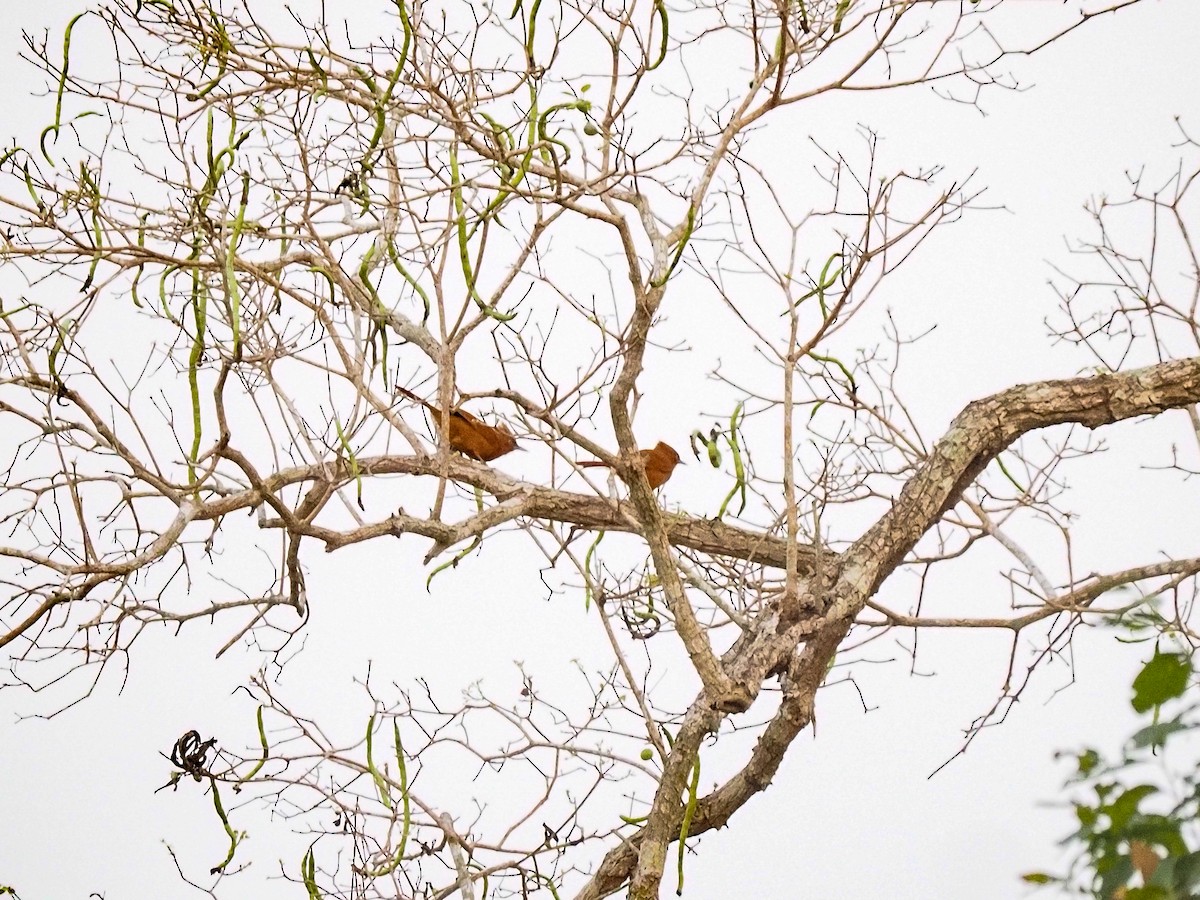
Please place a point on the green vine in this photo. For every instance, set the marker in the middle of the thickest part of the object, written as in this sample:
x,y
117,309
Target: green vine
x,y
838,14
464,253
137,274
461,554
821,285
63,334
688,228
223,46
89,188
231,284
162,295
196,357
394,256
235,837
266,750
368,162
1008,475
660,10
312,59
834,361
739,467
689,811
62,84
380,784
587,568
712,446
405,809
355,472
531,28
308,874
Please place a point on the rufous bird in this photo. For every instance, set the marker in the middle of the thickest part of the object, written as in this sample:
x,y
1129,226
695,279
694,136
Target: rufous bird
x,y
659,462
468,435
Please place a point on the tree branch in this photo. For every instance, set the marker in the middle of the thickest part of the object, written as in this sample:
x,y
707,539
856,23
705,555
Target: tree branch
x,y
979,434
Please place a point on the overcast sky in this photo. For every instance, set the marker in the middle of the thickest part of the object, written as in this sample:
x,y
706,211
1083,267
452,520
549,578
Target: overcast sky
x,y
853,812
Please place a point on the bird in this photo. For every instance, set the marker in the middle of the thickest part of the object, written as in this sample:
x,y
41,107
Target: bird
x,y
659,462
468,435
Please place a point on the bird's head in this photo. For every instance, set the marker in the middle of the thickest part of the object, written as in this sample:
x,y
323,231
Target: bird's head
x,y
666,451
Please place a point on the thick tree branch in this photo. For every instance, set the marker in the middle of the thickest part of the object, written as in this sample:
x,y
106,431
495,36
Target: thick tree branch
x,y
795,713
984,429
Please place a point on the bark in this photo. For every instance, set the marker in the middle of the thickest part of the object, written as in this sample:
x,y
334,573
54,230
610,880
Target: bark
x,y
821,618
984,429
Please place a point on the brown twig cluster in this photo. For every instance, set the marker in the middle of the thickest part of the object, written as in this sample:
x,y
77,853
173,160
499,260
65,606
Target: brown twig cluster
x,y
465,201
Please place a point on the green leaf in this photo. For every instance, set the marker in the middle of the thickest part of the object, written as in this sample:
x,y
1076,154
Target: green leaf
x,y
1115,877
1038,878
1086,815
1162,831
1163,678
1187,871
1150,892
1156,735
1088,760
1122,809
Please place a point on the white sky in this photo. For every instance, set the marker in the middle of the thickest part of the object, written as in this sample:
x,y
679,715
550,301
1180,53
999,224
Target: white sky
x,y
852,813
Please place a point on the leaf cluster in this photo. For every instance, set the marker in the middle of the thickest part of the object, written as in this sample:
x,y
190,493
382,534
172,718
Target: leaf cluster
x,y
1137,835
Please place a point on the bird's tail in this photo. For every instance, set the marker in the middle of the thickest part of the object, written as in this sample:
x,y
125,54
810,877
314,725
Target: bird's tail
x,y
411,396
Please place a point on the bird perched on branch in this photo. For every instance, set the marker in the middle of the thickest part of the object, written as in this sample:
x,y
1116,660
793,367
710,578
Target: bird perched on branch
x,y
468,435
659,462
